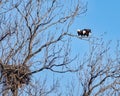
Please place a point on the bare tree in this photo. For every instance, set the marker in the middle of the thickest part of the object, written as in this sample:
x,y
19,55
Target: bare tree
x,y
35,37
34,34
100,73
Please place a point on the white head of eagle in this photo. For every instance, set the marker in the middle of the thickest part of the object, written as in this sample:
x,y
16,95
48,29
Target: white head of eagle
x,y
84,32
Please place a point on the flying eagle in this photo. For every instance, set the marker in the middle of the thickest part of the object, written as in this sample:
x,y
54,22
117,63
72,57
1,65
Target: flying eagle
x,y
84,32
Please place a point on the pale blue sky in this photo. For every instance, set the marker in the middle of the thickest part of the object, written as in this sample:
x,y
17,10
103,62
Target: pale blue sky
x,y
102,16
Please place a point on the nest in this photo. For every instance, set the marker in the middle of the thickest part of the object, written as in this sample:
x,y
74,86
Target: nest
x,y
15,76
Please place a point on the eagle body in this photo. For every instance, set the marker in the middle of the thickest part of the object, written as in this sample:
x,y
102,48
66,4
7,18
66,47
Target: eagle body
x,y
84,32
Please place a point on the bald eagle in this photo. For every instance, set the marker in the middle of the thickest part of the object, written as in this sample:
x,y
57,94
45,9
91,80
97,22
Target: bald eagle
x,y
84,32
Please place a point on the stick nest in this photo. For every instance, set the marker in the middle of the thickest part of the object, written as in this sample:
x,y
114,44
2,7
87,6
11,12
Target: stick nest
x,y
15,76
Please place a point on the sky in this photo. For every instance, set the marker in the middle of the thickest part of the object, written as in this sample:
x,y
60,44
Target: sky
x,y
102,16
